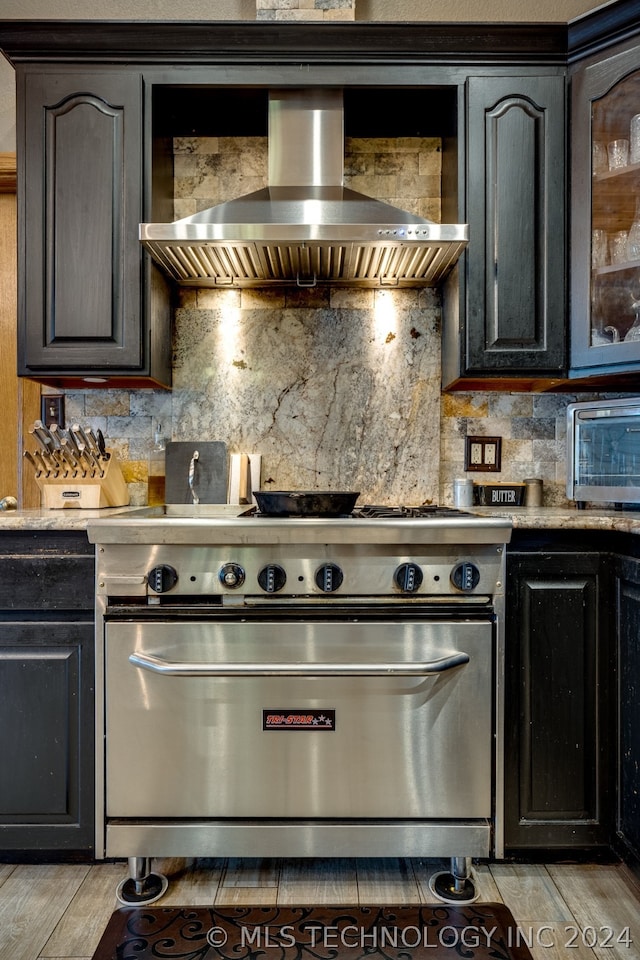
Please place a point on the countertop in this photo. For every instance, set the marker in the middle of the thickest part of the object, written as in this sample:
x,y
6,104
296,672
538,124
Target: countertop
x,y
66,519
533,518
566,518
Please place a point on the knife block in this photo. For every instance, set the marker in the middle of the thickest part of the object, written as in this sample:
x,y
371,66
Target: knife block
x,y
89,493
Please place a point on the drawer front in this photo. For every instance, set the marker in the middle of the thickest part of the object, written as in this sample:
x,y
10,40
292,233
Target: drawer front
x,y
51,573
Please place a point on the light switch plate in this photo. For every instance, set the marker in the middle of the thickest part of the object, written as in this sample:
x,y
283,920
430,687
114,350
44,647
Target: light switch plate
x,y
52,409
483,454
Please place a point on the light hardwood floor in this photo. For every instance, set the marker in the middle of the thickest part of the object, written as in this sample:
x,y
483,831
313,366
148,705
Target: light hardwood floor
x,y
60,911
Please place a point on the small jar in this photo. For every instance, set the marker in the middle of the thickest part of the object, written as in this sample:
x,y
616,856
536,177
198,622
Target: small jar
x,y
533,492
463,492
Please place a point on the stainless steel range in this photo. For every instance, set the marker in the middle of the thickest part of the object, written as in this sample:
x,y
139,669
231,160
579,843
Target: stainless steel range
x,y
300,688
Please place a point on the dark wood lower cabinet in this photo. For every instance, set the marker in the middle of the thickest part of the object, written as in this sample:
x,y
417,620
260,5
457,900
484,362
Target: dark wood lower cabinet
x,y
46,696
559,702
628,631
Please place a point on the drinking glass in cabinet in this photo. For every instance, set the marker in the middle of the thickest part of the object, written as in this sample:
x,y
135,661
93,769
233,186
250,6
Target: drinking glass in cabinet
x,y
618,152
618,247
599,159
633,240
634,139
599,248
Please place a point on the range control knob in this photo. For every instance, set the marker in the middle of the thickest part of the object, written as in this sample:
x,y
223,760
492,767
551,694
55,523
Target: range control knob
x,y
162,578
272,578
408,577
231,575
329,577
465,576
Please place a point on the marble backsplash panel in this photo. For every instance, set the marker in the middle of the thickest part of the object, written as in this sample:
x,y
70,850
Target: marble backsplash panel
x,y
338,390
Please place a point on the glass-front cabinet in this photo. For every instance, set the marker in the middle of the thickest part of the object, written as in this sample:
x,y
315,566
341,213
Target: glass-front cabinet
x,y
605,216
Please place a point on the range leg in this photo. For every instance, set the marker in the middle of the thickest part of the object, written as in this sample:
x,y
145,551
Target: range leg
x,y
456,886
141,886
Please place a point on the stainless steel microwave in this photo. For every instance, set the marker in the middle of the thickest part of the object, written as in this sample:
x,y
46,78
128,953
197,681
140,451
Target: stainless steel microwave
x,y
603,451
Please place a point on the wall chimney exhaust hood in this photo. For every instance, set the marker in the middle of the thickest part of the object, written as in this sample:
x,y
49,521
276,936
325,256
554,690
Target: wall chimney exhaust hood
x,y
305,227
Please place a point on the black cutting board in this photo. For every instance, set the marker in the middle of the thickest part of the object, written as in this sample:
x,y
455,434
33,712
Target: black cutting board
x,y
210,475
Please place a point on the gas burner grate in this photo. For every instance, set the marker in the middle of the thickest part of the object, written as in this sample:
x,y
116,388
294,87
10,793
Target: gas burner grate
x,y
375,512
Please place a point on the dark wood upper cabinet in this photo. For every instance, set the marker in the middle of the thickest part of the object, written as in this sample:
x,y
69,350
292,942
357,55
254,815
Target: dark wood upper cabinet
x,y
92,150
93,305
86,297
605,287
505,312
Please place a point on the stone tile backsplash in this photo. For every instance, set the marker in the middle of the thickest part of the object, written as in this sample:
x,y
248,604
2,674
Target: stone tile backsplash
x,y
308,10
533,431
403,171
336,388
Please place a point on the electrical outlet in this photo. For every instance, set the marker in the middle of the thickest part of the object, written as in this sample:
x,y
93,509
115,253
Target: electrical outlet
x,y
483,453
52,409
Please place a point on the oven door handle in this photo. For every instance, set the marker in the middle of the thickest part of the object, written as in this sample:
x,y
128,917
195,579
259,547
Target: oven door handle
x,y
172,668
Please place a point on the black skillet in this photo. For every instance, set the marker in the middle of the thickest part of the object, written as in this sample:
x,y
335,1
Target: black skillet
x,y
303,503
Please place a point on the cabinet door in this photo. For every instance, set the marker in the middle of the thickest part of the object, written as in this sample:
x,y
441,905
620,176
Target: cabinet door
x,y
515,301
80,200
46,736
558,710
605,207
628,615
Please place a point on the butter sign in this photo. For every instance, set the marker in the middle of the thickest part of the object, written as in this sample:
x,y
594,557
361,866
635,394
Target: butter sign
x,y
505,495
500,494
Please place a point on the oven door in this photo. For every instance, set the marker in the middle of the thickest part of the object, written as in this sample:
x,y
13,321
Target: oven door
x,y
299,719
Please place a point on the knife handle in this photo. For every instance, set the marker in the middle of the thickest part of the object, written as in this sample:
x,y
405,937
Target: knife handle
x,y
45,445
102,447
56,435
32,460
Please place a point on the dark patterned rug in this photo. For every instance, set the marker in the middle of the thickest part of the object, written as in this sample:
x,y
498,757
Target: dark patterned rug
x,y
480,931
